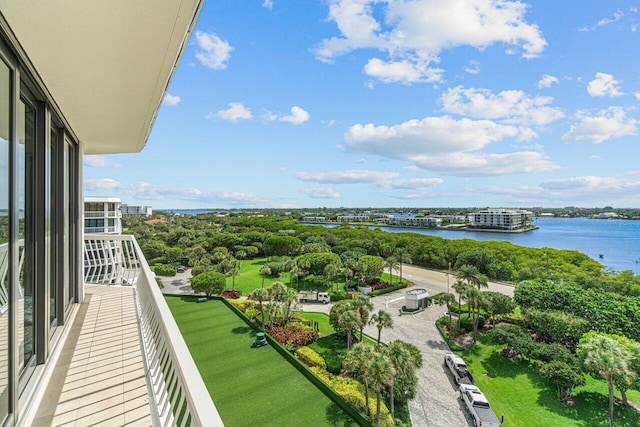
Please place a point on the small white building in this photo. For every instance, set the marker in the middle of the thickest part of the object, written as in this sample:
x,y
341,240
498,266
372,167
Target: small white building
x,y
416,299
420,222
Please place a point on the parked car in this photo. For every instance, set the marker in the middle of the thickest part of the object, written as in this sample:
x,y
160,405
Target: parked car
x,y
231,293
478,406
181,269
458,368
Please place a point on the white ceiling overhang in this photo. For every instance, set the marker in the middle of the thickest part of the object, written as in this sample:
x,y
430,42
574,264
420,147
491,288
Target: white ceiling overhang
x,y
106,63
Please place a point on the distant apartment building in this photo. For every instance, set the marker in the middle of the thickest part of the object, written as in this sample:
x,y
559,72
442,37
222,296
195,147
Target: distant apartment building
x,y
354,218
102,215
314,219
502,219
420,222
128,210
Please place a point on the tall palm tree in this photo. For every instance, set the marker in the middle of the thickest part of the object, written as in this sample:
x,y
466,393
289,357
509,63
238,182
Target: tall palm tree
x,y
264,272
392,264
403,258
460,287
474,300
381,375
472,276
363,306
359,360
277,291
290,297
604,357
331,270
448,300
382,319
261,295
400,359
350,320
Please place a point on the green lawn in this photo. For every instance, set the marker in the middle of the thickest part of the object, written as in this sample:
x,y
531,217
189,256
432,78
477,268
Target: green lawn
x,y
517,391
250,278
250,387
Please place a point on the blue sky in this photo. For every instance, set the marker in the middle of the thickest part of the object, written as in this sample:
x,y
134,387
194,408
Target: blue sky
x,y
402,103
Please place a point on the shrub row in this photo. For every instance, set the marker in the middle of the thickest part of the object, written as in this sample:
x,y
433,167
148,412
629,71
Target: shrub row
x,y
389,289
310,357
353,392
164,270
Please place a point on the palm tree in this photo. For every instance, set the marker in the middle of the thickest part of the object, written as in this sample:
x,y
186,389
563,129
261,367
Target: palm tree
x,y
382,319
331,270
604,357
273,308
460,287
290,297
472,276
363,306
350,320
381,376
403,258
392,264
264,272
359,361
277,291
260,295
448,300
474,300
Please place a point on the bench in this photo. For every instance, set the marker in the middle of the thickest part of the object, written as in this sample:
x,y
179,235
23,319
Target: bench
x,y
202,299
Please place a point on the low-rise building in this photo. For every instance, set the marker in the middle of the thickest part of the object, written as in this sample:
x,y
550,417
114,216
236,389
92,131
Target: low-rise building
x,y
128,210
421,222
102,215
502,219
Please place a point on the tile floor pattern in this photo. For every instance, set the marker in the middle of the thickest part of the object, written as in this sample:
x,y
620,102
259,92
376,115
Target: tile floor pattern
x,y
99,379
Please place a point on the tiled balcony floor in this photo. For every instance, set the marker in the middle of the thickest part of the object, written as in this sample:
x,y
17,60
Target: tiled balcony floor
x,y
99,379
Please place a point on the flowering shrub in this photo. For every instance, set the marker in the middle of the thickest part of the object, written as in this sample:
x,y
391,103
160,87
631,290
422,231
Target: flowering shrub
x,y
310,357
292,336
241,304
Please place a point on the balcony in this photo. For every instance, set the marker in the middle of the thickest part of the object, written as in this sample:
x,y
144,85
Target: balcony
x,y
124,361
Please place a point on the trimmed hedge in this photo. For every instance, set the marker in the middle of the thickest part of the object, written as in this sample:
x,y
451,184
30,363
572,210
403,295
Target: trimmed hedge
x,y
164,270
452,345
389,289
311,358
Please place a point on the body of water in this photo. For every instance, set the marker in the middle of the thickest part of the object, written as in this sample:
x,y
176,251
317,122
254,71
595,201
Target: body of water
x,y
618,241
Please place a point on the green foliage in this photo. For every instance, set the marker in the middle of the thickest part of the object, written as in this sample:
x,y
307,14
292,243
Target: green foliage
x,y
564,376
310,357
242,304
371,267
210,282
555,326
388,289
164,270
606,312
315,263
281,245
466,322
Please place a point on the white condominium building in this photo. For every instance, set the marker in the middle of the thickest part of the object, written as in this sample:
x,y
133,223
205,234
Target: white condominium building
x,y
502,219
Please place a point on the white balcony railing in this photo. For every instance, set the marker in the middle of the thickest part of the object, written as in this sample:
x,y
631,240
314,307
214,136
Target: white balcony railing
x,y
102,214
178,395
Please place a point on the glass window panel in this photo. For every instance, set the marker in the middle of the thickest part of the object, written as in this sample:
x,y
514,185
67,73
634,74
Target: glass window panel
x,y
55,260
25,199
5,99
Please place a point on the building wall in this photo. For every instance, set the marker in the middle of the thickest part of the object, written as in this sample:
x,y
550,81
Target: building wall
x,y
502,219
40,227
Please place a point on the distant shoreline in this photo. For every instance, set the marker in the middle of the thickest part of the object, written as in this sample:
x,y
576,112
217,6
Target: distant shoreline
x,y
445,228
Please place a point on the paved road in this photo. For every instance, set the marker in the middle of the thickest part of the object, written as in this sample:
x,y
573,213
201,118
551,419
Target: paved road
x,y
436,403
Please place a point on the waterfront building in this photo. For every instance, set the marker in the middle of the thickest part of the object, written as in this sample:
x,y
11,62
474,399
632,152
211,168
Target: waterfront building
x,y
502,219
128,210
82,78
314,219
421,222
354,218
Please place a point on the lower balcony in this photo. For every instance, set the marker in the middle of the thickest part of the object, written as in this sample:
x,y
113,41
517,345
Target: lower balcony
x,y
124,361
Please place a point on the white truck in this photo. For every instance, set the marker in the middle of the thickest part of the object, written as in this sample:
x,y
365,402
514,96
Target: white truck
x,y
313,296
478,406
458,368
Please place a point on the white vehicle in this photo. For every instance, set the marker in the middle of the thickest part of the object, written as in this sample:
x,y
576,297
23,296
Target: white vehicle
x,y
458,368
314,296
478,406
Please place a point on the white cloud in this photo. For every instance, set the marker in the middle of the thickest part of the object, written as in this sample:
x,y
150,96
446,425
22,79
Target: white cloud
x,y
321,193
268,4
604,85
637,95
147,191
354,176
212,52
547,80
471,164
404,72
414,33
472,67
607,124
511,106
235,112
170,100
297,116
99,162
416,139
361,161
412,183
